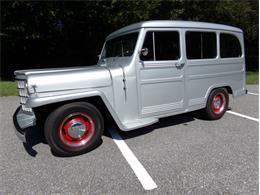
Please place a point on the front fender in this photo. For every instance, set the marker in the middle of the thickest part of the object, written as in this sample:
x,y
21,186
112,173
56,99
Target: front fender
x,y
41,101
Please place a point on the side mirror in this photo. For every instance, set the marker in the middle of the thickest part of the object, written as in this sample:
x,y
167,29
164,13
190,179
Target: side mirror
x,y
144,51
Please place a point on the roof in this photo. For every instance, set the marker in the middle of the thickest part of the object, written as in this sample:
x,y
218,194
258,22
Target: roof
x,y
174,24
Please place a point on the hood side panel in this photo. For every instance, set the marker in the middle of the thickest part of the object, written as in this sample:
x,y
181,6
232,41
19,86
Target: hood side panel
x,y
66,79
28,72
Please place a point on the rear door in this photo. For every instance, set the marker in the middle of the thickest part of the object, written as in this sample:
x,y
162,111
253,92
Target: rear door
x,y
161,75
202,66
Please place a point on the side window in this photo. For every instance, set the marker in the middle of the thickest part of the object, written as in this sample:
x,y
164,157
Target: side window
x,y
148,43
229,46
165,45
209,45
193,45
201,45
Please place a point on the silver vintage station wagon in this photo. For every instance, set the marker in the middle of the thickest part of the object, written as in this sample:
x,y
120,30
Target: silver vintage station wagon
x,y
145,71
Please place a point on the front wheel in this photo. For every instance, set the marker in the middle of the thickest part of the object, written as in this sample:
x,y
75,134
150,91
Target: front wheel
x,y
74,129
217,104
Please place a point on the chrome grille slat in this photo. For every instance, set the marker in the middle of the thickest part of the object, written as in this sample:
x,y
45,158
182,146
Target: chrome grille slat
x,y
26,109
23,93
21,84
23,100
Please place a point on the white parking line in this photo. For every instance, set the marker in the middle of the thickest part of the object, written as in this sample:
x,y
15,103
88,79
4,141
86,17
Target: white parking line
x,y
243,116
252,93
143,176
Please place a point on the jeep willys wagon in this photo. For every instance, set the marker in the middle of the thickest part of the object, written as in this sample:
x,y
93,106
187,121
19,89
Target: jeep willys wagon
x,y
145,71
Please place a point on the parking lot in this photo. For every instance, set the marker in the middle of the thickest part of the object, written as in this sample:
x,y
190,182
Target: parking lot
x,y
182,154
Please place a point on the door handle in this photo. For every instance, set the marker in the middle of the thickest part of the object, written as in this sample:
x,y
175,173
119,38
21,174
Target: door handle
x,y
179,65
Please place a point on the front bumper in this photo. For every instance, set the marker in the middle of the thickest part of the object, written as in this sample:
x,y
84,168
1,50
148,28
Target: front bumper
x,y
22,120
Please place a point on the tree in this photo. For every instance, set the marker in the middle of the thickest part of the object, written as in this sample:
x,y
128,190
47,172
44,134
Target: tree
x,y
56,33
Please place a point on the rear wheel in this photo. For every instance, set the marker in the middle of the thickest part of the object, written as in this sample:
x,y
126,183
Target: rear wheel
x,y
74,129
217,104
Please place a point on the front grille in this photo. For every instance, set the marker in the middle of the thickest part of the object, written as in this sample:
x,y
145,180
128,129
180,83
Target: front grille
x,y
23,93
23,100
24,108
21,84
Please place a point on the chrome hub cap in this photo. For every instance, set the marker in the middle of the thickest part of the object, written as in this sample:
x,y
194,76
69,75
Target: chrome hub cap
x,y
218,103
76,129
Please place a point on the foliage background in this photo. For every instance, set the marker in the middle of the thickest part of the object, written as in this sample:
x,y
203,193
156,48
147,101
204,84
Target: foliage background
x,y
37,34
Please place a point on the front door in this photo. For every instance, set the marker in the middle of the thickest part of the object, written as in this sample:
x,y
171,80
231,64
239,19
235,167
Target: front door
x,y
161,75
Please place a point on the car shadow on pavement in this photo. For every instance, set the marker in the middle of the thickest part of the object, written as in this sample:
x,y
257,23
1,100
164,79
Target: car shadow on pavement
x,y
183,119
34,136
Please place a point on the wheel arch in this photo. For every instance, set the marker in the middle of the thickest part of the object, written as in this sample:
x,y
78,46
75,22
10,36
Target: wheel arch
x,y
213,87
98,101
225,86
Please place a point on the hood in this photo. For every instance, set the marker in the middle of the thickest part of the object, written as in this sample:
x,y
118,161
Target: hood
x,y
60,79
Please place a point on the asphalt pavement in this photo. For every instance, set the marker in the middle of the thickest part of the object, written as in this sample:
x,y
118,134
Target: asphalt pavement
x,y
182,154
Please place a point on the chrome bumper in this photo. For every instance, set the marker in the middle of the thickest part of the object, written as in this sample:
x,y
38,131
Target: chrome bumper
x,y
240,93
22,120
20,135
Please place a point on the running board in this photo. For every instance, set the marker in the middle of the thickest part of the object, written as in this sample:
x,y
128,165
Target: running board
x,y
139,123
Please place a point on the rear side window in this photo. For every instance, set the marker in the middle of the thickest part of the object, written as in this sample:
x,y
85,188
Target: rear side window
x,y
201,45
161,46
229,46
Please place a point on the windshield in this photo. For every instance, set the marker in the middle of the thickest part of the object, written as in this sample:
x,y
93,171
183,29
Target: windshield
x,y
121,46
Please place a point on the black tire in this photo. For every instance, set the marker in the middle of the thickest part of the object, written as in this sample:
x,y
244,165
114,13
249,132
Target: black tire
x,y
54,128
212,112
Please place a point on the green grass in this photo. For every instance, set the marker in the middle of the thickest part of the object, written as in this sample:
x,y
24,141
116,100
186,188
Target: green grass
x,y
8,88
252,77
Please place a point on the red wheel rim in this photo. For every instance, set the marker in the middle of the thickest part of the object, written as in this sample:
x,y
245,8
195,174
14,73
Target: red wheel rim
x,y
218,103
76,129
